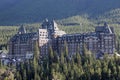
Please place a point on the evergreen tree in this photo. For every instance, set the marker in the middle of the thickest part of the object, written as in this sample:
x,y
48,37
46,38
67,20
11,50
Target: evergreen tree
x,y
36,61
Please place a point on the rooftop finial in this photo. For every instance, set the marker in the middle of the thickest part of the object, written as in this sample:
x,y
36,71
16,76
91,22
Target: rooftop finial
x,y
105,24
22,30
46,20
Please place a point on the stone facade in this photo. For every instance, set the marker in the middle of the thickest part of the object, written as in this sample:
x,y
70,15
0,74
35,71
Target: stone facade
x,y
21,43
100,41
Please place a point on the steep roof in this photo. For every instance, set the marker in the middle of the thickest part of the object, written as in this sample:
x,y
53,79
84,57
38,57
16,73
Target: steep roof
x,y
23,38
104,29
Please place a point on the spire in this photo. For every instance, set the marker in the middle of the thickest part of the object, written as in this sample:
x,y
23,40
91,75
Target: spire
x,y
46,20
54,25
22,30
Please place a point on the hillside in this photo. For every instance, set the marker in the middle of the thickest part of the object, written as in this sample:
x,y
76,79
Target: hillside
x,y
29,11
112,16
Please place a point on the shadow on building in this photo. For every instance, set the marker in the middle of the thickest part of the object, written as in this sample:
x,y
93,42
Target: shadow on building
x,y
101,41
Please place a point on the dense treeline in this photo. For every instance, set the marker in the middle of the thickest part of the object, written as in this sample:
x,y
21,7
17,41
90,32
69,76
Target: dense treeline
x,y
64,67
78,67
6,32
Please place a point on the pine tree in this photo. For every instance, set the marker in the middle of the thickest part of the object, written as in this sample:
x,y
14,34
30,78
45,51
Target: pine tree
x,y
51,55
65,49
119,73
36,51
24,75
36,61
62,58
18,76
